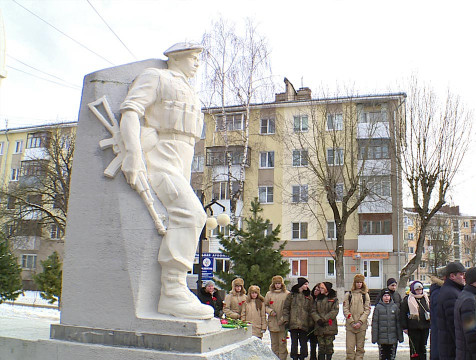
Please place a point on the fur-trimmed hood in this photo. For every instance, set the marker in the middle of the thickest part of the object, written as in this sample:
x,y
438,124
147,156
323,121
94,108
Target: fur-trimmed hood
x,y
436,280
295,289
331,295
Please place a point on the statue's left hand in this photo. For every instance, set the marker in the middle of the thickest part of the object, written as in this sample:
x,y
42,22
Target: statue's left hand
x,y
132,166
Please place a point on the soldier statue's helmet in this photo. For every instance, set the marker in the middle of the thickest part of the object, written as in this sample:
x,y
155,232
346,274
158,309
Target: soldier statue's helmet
x,y
183,47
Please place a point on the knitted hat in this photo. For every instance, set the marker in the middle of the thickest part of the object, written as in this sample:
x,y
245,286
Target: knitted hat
x,y
415,285
386,292
470,276
302,281
359,278
454,267
328,285
209,282
391,281
278,279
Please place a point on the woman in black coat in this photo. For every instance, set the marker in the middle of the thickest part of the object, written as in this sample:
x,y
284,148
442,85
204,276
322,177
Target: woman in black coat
x,y
415,319
209,295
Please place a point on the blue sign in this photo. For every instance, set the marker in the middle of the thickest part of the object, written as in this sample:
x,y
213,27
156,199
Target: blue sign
x,y
207,264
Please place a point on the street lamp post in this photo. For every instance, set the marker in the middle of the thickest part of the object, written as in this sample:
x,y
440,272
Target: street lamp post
x,y
222,220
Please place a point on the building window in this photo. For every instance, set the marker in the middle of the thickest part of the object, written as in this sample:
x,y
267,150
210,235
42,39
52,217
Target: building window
x,y
18,146
331,230
301,123
373,117
299,230
411,250
234,122
466,237
15,174
198,163
330,268
377,185
410,236
1,148
466,224
267,126
222,265
374,149
423,264
220,190
225,230
300,194
298,267
265,194
334,122
28,261
33,168
467,264
217,156
11,202
300,158
37,140
268,231
467,251
335,157
376,227
266,159
55,232
339,192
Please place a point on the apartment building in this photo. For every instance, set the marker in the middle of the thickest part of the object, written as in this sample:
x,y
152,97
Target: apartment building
x,y
23,160
451,236
280,147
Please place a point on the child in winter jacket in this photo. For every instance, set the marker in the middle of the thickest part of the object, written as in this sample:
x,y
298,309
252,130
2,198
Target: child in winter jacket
x,y
356,311
235,299
324,313
254,311
274,302
386,329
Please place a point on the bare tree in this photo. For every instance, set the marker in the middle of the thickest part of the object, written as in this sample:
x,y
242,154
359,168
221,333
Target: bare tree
x,y
440,242
237,73
435,136
334,145
40,198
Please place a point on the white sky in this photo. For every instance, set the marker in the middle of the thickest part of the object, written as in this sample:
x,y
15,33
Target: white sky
x,y
372,45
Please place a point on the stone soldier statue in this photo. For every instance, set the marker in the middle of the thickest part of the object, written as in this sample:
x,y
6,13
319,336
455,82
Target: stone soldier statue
x,y
172,121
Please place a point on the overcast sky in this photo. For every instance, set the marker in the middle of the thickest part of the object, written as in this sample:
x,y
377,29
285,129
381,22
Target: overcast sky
x,y
372,45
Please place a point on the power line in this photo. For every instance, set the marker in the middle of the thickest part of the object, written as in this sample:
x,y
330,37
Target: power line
x,y
118,38
44,72
62,33
42,78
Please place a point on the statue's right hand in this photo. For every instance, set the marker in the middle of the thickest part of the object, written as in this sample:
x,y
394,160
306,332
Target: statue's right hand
x,y
132,166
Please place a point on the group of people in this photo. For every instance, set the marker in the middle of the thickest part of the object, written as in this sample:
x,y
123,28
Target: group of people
x,y
311,316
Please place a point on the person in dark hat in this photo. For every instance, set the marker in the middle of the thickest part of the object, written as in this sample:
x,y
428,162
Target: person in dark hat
x,y
449,292
465,318
297,317
324,313
386,329
392,288
209,295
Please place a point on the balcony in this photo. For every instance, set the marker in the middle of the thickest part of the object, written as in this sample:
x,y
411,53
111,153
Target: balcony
x,y
26,242
375,243
218,156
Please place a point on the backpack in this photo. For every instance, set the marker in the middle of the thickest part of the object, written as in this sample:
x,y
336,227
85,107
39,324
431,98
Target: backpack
x,y
350,298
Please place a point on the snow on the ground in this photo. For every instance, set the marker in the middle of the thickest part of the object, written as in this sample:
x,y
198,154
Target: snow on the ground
x,y
30,298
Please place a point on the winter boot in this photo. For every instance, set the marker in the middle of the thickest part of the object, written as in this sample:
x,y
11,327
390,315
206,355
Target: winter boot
x,y
177,300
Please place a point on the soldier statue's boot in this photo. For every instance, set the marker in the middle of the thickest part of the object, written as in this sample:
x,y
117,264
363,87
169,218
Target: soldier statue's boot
x,y
176,299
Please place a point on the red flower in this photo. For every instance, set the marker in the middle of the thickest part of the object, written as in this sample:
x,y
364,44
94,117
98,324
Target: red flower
x,y
224,321
208,303
330,322
241,303
414,355
271,302
348,316
214,298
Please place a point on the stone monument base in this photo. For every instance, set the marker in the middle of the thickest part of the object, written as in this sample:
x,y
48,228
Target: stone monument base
x,y
241,347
